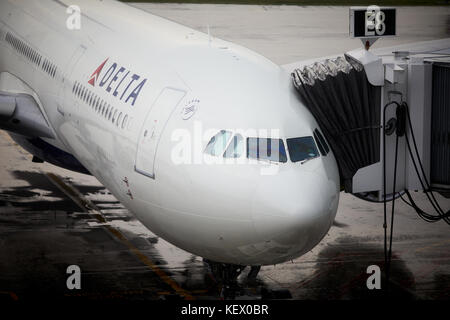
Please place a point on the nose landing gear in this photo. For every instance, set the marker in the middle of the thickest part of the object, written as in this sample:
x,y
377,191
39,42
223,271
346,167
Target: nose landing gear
x,y
226,276
253,273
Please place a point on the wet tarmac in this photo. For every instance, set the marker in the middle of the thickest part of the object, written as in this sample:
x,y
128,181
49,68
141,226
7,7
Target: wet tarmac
x,y
51,218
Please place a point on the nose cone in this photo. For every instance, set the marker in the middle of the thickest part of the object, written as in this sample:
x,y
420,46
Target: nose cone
x,y
293,212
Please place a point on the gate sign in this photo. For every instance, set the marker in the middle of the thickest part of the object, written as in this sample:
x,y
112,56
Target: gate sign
x,y
372,22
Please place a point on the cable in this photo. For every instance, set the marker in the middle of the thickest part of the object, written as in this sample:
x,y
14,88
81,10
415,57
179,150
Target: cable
x,y
426,186
441,215
427,189
387,254
388,266
426,216
406,202
402,113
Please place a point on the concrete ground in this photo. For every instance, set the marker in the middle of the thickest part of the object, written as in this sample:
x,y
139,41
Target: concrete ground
x,y
51,218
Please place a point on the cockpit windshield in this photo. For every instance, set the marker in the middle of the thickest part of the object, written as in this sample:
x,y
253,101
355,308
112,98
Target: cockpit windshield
x,y
266,149
217,145
302,149
236,147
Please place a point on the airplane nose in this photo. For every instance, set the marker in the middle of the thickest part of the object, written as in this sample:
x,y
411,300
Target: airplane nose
x,y
292,213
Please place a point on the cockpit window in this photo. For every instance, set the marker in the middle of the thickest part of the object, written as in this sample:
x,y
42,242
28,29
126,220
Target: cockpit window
x,y
323,146
218,143
266,149
236,147
301,149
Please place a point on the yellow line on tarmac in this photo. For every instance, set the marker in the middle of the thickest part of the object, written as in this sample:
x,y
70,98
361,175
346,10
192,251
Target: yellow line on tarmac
x,y
150,264
89,207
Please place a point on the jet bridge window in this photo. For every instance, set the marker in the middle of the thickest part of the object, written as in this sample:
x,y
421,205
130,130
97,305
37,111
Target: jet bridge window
x,y
266,149
217,145
302,149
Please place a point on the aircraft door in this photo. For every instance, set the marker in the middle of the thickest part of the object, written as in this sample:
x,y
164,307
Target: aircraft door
x,y
153,128
64,104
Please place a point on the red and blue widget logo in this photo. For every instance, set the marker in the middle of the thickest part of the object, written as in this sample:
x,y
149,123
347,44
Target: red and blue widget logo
x,y
118,81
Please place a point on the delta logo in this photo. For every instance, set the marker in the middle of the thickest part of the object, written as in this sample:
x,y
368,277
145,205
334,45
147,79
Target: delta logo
x,y
118,81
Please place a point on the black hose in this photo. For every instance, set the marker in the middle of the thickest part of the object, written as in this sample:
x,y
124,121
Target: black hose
x,y
388,266
427,186
386,255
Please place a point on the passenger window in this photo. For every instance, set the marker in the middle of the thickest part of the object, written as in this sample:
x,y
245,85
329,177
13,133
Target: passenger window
x,y
235,148
218,143
301,149
266,149
323,146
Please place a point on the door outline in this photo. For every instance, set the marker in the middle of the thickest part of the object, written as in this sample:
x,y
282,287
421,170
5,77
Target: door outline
x,y
145,124
64,88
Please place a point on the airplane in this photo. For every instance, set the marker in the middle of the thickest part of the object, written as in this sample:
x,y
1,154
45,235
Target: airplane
x,y
108,98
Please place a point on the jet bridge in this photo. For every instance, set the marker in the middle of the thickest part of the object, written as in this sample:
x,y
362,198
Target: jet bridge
x,y
354,100
345,104
385,113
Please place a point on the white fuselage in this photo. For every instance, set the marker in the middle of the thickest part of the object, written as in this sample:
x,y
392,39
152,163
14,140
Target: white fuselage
x,y
226,212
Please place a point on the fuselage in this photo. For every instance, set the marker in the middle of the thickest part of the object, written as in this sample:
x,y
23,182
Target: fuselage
x,y
125,91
